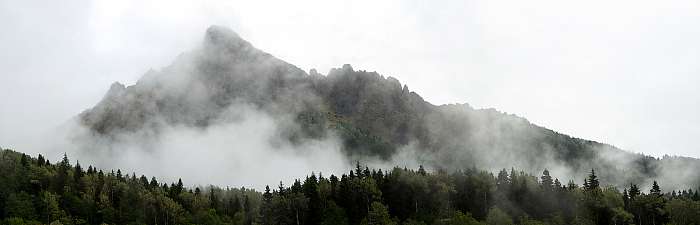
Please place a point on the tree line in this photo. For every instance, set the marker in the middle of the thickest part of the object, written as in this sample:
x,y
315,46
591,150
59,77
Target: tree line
x,y
36,191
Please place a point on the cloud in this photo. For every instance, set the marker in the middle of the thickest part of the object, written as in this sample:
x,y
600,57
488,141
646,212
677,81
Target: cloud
x,y
243,149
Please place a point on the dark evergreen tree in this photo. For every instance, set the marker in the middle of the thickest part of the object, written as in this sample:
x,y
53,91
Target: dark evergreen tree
x,y
655,189
40,160
626,199
592,182
154,183
634,191
421,170
213,198
358,170
24,161
546,180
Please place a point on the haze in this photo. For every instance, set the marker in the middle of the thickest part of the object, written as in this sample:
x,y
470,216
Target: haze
x,y
582,68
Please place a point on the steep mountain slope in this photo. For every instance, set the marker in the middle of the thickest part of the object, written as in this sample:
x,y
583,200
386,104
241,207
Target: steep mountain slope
x,y
372,115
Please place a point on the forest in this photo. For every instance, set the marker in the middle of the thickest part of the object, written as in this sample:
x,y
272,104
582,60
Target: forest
x,y
34,190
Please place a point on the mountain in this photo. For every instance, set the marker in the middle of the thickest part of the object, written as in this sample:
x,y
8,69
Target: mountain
x,y
373,116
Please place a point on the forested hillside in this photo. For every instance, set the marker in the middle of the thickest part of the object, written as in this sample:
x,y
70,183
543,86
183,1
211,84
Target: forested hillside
x,y
36,191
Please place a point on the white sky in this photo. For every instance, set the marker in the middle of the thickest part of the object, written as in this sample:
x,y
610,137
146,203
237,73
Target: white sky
x,y
625,72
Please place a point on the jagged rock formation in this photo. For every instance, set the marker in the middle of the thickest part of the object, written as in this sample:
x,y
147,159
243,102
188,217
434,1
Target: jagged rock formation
x,y
372,114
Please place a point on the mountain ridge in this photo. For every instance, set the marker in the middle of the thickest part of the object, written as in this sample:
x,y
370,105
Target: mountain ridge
x,y
374,115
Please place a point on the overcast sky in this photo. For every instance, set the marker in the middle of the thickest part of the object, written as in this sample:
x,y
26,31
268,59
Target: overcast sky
x,y
624,72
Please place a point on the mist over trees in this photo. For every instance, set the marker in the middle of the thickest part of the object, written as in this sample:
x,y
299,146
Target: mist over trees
x,y
369,115
36,191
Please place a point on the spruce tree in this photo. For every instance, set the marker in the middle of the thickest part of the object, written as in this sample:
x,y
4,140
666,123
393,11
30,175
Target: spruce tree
x,y
421,170
281,189
236,205
546,180
40,160
571,185
213,198
119,175
267,196
502,179
655,189
592,181
154,183
626,199
78,173
78,177
62,175
24,161
634,191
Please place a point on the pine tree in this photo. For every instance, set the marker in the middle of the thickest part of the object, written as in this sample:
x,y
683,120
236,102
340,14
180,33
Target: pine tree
x,y
296,187
177,189
571,185
281,189
546,180
144,181
40,160
626,199
421,170
154,183
213,199
266,208
592,181
267,196
119,175
62,174
78,173
358,170
248,209
502,179
64,162
634,191
24,161
236,205
78,177
655,189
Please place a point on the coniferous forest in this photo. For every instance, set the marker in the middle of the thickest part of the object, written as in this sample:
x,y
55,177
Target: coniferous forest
x,y
34,190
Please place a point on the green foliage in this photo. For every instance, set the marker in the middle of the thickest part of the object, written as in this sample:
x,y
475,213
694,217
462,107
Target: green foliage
x,y
459,218
529,221
43,193
334,215
20,205
379,215
683,211
496,216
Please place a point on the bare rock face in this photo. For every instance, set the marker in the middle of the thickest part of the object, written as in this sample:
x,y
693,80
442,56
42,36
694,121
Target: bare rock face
x,y
198,86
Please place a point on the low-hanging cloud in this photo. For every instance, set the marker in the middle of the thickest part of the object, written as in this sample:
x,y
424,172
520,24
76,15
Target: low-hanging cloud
x,y
242,149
